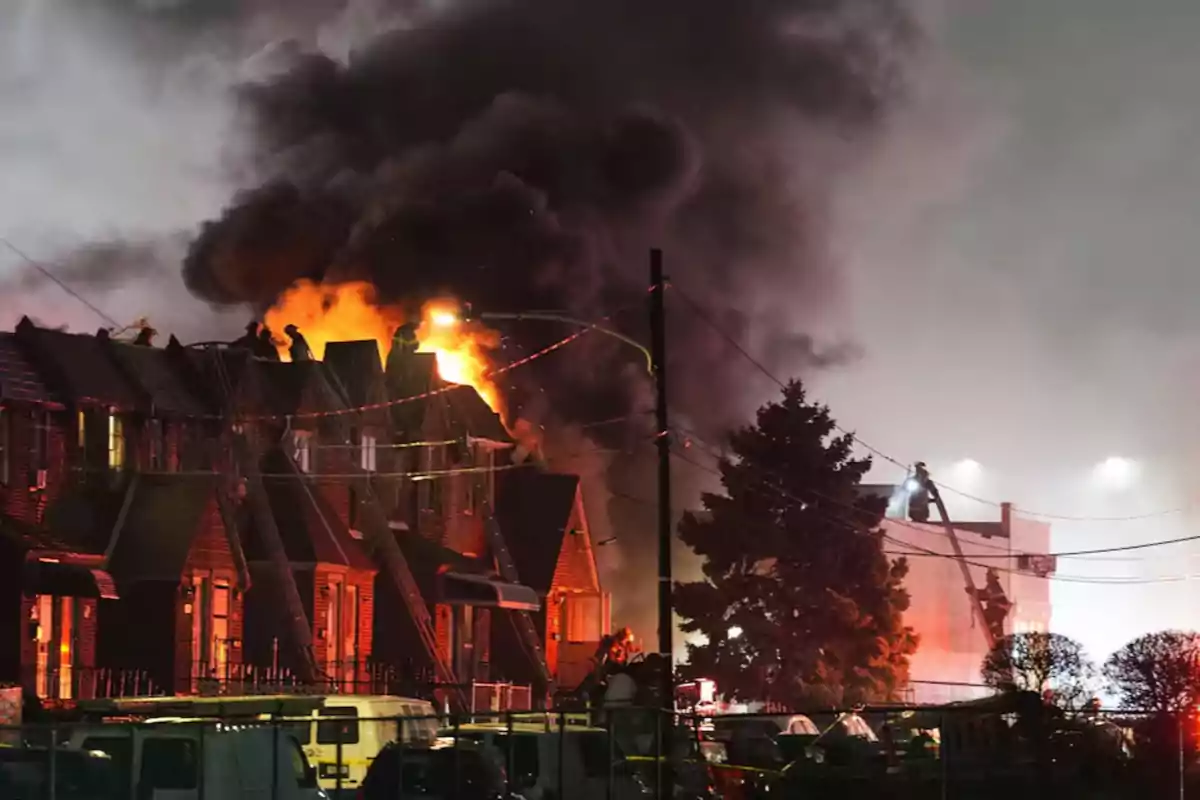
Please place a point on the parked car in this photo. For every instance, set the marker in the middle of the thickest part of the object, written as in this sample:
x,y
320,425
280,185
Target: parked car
x,y
78,775
437,772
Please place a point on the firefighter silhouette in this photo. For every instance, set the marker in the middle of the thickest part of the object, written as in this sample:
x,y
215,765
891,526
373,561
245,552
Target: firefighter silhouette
x,y
264,346
405,339
249,339
299,350
995,602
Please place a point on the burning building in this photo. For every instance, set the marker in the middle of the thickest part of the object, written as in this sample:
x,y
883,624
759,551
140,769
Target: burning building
x,y
194,518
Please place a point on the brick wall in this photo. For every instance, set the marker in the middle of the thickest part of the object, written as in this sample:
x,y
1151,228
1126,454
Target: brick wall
x,y
32,429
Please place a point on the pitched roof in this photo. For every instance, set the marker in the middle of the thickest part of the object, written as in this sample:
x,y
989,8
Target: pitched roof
x,y
414,374
534,510
298,387
18,379
151,369
358,370
311,530
160,525
82,518
77,365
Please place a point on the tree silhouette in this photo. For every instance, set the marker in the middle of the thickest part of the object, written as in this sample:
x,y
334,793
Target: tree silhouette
x,y
1157,672
1041,662
799,604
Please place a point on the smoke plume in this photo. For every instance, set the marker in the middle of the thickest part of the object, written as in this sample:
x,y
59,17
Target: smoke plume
x,y
525,155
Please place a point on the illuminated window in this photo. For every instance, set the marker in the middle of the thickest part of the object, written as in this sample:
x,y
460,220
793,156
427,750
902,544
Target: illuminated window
x,y
81,429
116,442
302,450
368,451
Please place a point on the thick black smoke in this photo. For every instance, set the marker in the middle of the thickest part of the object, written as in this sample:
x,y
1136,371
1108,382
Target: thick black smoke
x,y
526,153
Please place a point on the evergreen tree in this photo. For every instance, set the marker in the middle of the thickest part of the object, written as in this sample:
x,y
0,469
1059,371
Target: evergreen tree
x,y
800,605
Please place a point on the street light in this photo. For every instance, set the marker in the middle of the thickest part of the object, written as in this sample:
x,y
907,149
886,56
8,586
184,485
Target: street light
x,y
734,632
447,319
1116,473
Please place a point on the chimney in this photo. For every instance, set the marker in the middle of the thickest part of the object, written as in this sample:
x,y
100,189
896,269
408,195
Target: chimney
x,y
102,334
1006,519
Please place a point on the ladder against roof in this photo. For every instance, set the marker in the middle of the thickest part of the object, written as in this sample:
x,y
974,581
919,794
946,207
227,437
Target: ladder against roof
x,y
382,543
526,631
246,455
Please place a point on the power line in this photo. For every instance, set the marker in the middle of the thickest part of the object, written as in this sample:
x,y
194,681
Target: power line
x,y
850,525
699,311
62,285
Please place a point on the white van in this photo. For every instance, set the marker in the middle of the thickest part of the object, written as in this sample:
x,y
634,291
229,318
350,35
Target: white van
x,y
184,759
364,724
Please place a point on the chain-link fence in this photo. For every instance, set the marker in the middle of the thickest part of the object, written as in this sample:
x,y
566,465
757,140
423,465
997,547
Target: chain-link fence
x,y
612,754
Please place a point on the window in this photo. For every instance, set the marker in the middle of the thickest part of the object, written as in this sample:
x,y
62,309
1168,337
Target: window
x,y
350,651
168,764
338,722
40,448
116,442
582,614
81,430
334,617
368,452
156,449
4,433
302,450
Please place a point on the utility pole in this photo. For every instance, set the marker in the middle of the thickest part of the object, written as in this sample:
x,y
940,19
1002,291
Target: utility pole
x,y
666,615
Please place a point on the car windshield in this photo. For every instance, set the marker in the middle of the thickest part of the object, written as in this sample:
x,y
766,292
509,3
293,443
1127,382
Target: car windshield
x,y
428,772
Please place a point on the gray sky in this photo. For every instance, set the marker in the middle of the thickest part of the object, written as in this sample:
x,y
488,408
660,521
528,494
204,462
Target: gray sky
x,y
1021,270
1017,253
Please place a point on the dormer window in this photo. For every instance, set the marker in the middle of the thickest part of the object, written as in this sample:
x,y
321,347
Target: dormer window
x,y
116,442
302,450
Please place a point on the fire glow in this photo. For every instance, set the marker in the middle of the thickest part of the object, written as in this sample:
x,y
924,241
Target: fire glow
x,y
349,312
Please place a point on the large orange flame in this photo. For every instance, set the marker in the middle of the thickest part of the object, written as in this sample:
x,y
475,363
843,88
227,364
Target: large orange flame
x,y
349,312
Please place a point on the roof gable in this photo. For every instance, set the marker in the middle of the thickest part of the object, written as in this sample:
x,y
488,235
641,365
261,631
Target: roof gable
x,y
159,524
311,530
534,511
19,381
76,365
153,371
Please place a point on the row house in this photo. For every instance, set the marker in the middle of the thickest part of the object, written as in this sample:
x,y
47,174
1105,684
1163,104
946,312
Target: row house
x,y
188,519
552,545
108,472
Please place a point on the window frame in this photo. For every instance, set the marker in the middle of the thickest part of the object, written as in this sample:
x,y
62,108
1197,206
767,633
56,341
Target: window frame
x,y
369,452
302,451
117,448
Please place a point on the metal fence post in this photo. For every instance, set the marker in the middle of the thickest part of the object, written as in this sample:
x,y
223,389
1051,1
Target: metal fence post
x,y
508,750
337,781
457,767
659,773
942,756
53,760
274,758
200,762
612,760
562,750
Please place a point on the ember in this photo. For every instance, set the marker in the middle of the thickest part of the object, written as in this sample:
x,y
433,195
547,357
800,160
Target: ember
x,y
348,312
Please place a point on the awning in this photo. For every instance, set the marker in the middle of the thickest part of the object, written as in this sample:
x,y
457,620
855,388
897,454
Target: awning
x,y
67,580
458,589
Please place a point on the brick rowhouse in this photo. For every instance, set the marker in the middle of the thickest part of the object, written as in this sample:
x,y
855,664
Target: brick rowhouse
x,y
140,559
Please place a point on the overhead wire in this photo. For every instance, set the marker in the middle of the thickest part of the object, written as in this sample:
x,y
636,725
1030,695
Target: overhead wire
x,y
806,505
732,341
44,270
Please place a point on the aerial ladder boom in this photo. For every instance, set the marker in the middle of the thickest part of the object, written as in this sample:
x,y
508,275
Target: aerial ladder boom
x,y
925,481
